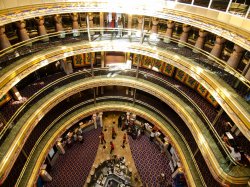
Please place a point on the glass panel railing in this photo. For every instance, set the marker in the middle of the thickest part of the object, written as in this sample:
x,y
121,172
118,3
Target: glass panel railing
x,y
36,97
202,3
240,8
155,80
220,5
205,59
173,89
26,171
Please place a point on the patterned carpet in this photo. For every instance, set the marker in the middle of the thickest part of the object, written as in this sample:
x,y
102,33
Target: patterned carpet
x,y
149,162
72,168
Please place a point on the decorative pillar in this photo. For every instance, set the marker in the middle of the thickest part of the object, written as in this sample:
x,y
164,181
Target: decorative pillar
x,y
140,20
17,96
59,26
247,70
75,25
155,22
4,41
235,57
184,35
101,21
21,30
200,41
91,23
218,46
94,120
100,118
60,148
130,23
102,59
41,28
169,32
102,90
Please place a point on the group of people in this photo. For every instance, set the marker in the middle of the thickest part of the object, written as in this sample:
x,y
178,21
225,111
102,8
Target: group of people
x,y
74,136
112,146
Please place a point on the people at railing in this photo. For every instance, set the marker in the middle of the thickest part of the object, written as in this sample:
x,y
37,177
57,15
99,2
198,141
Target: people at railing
x,y
234,152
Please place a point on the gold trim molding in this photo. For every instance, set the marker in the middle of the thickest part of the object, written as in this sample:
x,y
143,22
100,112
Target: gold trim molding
x,y
111,107
185,113
231,27
227,98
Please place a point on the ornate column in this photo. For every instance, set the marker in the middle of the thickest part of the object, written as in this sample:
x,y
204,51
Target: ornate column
x,y
17,96
235,57
75,25
91,23
58,25
184,34
102,59
100,118
21,30
247,71
130,23
41,28
155,22
101,21
94,120
140,20
74,17
60,148
201,40
4,41
218,46
169,32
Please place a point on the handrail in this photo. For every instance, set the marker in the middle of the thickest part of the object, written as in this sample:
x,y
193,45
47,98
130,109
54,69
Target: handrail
x,y
221,63
9,123
203,115
100,99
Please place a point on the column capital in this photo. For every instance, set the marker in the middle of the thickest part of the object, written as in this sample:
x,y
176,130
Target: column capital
x,y
203,33
58,18
170,24
220,40
155,21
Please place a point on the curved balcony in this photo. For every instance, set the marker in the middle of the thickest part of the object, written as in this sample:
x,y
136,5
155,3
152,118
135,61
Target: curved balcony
x,y
232,27
156,80
203,74
74,113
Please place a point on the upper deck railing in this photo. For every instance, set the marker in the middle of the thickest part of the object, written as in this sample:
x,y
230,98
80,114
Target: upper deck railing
x,y
208,16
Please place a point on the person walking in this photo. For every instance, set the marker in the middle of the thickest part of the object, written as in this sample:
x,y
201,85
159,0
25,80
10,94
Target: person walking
x,y
102,138
112,147
124,140
113,133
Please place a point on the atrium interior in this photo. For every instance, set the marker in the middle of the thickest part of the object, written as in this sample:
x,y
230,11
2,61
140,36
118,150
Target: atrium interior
x,y
108,93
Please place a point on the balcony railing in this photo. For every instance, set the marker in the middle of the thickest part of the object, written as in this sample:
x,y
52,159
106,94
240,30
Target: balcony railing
x,y
131,73
30,164
209,62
